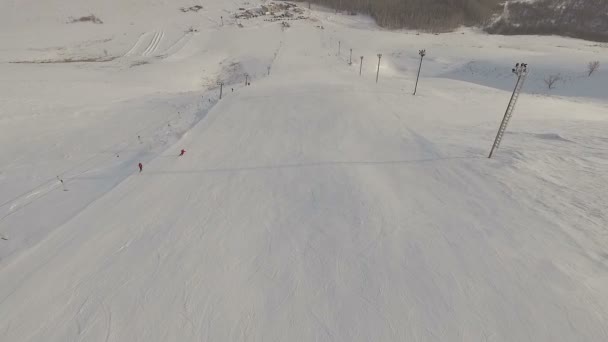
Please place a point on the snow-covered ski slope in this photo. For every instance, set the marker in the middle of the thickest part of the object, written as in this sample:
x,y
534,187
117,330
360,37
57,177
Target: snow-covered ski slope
x,y
313,205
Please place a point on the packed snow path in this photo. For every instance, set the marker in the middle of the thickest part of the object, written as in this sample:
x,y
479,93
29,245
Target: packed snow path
x,y
312,206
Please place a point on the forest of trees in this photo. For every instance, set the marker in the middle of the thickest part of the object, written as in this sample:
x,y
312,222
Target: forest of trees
x,y
587,19
430,15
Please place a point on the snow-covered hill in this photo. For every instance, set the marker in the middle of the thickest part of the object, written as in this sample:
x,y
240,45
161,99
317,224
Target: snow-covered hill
x,y
314,204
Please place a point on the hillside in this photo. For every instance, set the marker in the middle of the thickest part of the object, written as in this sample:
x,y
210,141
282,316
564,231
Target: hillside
x,y
315,203
587,19
427,15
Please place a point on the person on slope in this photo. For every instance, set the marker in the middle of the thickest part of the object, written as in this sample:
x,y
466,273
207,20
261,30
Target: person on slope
x,y
141,167
182,152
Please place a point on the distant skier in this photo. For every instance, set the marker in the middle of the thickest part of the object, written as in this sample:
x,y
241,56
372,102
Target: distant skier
x,y
62,183
182,152
141,167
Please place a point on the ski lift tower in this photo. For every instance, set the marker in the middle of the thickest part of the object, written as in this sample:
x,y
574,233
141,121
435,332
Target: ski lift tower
x,y
521,70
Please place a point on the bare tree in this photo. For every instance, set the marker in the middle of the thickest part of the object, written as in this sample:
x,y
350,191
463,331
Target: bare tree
x,y
592,67
551,80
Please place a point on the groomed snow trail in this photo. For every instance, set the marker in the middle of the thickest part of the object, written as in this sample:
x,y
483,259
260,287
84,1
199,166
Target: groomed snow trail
x,y
306,209
313,205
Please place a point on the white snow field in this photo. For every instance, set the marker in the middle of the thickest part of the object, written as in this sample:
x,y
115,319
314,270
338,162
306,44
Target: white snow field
x,y
313,205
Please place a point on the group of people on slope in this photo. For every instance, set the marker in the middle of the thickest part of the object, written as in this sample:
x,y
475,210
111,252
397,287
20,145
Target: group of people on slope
x,y
141,166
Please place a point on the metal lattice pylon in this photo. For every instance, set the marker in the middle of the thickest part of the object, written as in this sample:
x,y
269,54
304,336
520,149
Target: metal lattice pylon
x,y
521,70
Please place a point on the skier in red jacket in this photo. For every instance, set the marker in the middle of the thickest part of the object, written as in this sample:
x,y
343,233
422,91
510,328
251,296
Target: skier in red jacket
x,y
141,167
182,152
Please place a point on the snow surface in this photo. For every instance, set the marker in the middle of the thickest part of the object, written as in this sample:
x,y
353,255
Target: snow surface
x,y
314,204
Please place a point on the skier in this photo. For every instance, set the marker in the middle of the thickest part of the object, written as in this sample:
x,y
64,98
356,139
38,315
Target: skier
x,y
62,183
182,152
141,167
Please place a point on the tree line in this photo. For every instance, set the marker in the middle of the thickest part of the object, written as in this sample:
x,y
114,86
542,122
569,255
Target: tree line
x,y
429,15
585,19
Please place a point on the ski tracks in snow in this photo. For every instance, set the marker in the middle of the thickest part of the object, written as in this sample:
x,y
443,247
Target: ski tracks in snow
x,y
177,46
153,42
136,46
